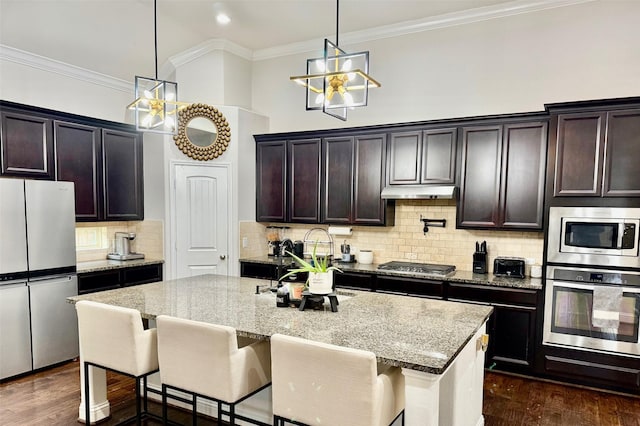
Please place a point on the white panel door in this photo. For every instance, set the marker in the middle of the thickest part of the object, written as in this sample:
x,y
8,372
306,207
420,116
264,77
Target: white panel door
x,y
202,220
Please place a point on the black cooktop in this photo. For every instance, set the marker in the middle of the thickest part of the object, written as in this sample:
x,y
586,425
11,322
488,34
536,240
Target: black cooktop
x,y
418,268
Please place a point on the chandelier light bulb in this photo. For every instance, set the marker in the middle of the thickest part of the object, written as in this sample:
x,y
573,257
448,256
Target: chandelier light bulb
x,y
347,65
348,99
320,65
319,99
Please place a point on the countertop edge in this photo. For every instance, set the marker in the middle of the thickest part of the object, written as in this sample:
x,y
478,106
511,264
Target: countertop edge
x,y
106,264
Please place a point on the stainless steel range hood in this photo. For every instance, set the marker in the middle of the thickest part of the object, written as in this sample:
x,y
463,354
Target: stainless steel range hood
x,y
418,192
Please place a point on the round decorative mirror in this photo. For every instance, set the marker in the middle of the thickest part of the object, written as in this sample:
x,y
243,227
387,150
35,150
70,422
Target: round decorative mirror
x,y
203,132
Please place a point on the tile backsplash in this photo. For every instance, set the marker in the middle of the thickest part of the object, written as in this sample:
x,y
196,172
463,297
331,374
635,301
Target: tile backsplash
x,y
405,240
149,238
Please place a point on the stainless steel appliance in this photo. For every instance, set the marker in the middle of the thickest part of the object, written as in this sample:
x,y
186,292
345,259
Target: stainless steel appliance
x,y
603,236
122,247
592,309
414,268
37,273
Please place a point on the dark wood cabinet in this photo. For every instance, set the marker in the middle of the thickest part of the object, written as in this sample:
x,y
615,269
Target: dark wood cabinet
x,y
353,281
439,156
89,282
368,180
102,158
26,142
406,286
480,180
622,154
502,176
405,150
597,154
304,180
330,179
122,175
511,327
258,270
78,160
522,176
353,178
337,179
579,152
271,181
422,157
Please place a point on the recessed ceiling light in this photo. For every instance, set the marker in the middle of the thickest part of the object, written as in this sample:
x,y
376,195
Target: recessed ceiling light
x,y
223,18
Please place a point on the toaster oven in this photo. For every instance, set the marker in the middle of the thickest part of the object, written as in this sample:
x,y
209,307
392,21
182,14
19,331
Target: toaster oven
x,y
509,267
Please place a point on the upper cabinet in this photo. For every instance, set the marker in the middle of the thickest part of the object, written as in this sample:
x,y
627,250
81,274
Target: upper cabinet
x,y
103,159
353,177
422,157
271,181
303,196
597,153
502,176
325,179
27,144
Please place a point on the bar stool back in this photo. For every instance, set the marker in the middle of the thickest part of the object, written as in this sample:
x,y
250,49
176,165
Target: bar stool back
x,y
321,384
114,338
204,360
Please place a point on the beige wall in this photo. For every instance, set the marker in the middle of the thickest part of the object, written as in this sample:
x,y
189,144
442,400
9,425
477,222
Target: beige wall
x,y
149,238
405,240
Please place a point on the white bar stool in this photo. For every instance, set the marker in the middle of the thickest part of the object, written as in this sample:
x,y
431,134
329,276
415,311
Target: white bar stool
x,y
321,384
204,360
114,338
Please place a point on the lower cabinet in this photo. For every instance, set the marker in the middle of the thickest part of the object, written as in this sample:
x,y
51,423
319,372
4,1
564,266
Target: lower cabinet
x,y
410,287
115,278
511,327
258,270
353,281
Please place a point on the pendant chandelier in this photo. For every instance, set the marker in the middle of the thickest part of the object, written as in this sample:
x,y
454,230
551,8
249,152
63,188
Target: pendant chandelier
x,y
338,81
156,105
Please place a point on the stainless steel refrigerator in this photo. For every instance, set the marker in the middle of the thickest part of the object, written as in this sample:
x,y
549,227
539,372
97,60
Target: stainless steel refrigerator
x,y
37,273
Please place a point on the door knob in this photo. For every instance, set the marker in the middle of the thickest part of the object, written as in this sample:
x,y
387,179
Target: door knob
x,y
223,257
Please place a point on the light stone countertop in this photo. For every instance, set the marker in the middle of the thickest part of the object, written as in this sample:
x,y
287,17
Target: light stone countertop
x,y
107,264
410,332
458,276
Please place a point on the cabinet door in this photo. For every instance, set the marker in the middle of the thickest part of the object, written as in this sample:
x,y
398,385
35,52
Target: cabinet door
x,y
78,150
439,156
580,147
512,340
523,169
404,157
369,171
122,175
27,146
271,173
480,183
337,179
622,171
304,180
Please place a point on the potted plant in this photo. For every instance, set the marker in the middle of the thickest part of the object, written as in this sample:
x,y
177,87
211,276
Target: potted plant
x,y
320,278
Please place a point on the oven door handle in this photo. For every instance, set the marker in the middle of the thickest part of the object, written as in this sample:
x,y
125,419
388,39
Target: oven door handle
x,y
591,286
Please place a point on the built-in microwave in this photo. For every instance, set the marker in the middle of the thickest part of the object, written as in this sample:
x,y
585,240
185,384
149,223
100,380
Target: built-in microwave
x,y
596,236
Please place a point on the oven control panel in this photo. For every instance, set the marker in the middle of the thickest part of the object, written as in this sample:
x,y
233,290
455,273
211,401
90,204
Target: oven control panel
x,y
594,276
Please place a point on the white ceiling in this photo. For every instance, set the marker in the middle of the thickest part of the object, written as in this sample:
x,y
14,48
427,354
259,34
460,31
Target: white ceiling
x,y
115,37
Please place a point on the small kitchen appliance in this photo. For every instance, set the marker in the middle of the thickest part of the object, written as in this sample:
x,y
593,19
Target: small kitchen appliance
x,y
480,258
298,248
509,267
122,247
286,247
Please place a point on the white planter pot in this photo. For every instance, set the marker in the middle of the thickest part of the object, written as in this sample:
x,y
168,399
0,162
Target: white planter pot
x,y
321,282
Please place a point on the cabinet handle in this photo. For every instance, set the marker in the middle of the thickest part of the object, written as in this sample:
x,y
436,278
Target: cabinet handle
x,y
223,257
483,342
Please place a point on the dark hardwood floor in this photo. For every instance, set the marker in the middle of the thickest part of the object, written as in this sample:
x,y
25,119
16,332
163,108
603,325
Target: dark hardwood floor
x,y
52,398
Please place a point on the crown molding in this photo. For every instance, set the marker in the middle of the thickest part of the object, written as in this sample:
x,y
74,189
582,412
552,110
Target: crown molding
x,y
204,48
419,25
43,63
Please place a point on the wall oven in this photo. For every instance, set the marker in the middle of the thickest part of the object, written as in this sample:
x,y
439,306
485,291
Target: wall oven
x,y
602,236
592,309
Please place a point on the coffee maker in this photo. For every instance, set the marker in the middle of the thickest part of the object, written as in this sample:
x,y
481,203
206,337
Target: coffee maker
x,y
122,247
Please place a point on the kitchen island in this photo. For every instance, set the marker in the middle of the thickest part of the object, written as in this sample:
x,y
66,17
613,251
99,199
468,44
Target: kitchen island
x,y
436,343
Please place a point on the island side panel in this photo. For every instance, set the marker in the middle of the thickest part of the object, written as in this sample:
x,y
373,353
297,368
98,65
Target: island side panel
x,y
461,386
